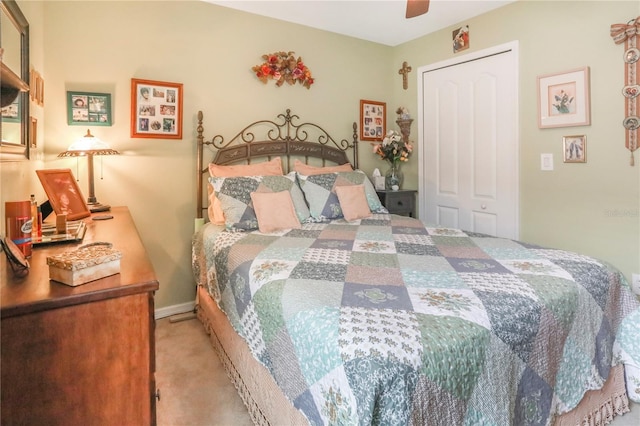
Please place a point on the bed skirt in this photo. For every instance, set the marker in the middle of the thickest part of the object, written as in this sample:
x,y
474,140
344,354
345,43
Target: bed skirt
x,y
265,402
267,405
599,407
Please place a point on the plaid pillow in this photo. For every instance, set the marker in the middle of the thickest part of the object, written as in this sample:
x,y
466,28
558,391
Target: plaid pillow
x,y
319,191
234,194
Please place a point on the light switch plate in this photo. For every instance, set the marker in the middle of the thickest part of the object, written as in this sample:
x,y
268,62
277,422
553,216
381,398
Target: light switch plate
x,y
546,162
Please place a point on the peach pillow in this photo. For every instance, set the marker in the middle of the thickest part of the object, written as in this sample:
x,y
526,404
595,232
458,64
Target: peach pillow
x,y
274,211
305,169
353,202
267,168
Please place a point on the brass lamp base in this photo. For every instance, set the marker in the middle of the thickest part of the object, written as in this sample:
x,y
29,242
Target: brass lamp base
x,y
97,207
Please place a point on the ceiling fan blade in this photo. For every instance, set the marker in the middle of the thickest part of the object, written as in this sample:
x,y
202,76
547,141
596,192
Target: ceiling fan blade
x,y
417,8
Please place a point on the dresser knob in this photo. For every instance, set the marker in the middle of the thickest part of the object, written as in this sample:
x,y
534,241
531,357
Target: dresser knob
x,y
157,394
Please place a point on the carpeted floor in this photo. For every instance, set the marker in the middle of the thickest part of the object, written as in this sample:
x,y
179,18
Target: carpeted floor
x,y
195,391
194,388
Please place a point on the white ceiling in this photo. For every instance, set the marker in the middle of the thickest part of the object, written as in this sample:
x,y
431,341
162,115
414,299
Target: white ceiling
x,y
380,21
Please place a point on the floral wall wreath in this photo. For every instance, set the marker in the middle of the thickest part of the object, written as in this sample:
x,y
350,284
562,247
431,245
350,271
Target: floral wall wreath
x,y
283,67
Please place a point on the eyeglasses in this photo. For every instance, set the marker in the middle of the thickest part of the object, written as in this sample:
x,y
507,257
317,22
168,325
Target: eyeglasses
x,y
19,264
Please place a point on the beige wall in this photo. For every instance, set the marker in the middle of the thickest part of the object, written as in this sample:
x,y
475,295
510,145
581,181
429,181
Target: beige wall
x,y
592,208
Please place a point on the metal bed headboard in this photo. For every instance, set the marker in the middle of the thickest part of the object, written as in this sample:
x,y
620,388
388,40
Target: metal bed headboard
x,y
267,138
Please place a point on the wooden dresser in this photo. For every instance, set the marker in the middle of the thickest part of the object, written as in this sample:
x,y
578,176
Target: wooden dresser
x,y
80,355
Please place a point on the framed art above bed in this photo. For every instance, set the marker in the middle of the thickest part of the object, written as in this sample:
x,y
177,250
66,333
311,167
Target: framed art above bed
x,y
373,120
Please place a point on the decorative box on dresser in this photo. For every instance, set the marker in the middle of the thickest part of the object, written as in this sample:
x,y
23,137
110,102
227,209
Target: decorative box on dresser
x,y
80,355
402,201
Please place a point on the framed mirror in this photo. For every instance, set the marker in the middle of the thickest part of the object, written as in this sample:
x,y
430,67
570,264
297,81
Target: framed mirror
x,y
14,82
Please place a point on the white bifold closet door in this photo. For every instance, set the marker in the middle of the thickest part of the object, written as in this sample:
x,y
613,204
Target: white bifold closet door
x,y
469,135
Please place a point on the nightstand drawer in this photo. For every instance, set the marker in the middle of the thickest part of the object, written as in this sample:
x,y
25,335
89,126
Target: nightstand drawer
x,y
402,202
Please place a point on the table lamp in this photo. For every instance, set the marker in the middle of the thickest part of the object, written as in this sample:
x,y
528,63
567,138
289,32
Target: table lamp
x,y
88,146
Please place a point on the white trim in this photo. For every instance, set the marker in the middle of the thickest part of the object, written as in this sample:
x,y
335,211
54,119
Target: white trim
x,y
513,46
168,311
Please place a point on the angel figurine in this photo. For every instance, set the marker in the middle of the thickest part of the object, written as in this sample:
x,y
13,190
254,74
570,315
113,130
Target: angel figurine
x,y
403,113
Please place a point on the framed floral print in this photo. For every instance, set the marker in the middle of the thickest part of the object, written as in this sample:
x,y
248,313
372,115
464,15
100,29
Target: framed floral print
x,y
563,99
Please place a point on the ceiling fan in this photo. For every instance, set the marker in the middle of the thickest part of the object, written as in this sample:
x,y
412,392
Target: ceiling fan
x,y
417,8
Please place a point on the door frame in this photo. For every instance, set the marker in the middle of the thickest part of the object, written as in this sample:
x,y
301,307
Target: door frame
x,y
512,46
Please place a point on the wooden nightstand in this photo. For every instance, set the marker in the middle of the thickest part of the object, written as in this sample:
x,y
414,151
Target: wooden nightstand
x,y
80,355
402,202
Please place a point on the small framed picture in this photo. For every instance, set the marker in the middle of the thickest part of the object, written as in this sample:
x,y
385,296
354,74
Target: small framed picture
x,y
575,149
563,99
33,134
36,91
373,120
63,193
156,109
460,39
85,108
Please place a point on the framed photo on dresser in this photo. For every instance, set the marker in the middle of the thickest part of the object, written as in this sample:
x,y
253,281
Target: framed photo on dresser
x,y
63,193
156,109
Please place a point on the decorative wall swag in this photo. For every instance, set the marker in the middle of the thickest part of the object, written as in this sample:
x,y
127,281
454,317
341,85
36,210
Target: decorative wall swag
x,y
283,67
405,70
628,34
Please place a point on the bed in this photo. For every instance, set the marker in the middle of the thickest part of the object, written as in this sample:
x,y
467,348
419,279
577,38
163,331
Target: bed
x,y
337,315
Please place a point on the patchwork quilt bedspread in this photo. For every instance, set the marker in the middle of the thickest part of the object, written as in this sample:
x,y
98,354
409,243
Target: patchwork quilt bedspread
x,y
386,321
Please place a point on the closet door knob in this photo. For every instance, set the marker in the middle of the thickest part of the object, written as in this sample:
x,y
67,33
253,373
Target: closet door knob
x,y
483,207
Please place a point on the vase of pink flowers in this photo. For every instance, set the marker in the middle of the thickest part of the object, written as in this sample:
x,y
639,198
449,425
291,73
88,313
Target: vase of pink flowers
x,y
395,150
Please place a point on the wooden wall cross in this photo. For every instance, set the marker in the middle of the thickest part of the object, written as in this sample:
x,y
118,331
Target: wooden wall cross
x,y
404,71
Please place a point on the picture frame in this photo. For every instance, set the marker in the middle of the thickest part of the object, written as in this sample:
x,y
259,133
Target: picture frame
x,y
461,39
156,109
63,193
33,133
574,149
564,99
36,91
85,108
11,113
373,120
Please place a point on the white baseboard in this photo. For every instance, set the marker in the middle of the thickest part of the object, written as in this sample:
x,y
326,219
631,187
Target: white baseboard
x,y
167,311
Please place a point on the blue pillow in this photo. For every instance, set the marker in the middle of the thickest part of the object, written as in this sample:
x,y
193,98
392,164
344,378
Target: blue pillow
x,y
319,191
234,194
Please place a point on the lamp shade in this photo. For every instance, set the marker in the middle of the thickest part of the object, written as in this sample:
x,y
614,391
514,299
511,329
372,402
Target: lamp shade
x,y
88,145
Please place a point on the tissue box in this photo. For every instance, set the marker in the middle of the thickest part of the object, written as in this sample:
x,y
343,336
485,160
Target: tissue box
x,y
84,264
378,180
378,183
